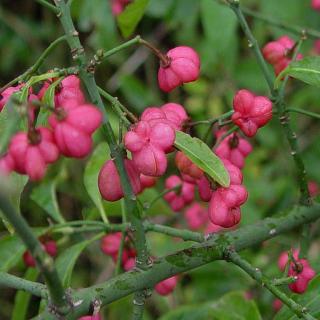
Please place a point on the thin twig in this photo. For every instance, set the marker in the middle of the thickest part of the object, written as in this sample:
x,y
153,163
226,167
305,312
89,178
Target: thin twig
x,y
257,275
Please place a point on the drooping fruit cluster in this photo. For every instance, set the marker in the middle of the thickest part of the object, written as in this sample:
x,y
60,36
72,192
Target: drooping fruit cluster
x,y
32,155
148,141
298,268
72,124
251,112
279,53
183,66
49,246
224,206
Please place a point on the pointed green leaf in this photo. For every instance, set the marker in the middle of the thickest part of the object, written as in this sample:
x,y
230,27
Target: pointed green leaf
x,y
201,155
306,70
91,173
22,298
68,258
130,17
231,306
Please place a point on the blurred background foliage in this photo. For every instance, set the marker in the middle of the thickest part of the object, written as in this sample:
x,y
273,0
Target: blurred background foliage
x,y
70,192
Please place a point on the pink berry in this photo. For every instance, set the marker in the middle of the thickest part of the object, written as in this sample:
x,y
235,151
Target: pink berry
x,y
183,66
175,113
6,94
187,167
129,264
304,273
251,112
178,199
147,181
110,243
165,287
277,305
70,89
148,145
73,129
49,246
7,164
234,148
172,114
28,259
313,188
117,6
315,4
109,180
224,206
283,259
31,158
196,216
205,191
212,228
278,52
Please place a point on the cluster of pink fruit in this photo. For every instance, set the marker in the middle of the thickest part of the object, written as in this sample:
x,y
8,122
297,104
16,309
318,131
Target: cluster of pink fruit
x,y
72,124
110,245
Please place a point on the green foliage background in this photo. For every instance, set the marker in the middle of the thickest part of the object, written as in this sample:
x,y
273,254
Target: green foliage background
x,y
69,192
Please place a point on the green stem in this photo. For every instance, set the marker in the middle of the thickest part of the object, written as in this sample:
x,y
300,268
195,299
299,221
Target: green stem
x,y
192,257
298,30
186,235
304,112
123,238
211,121
43,260
253,43
132,210
225,135
33,69
138,303
257,275
11,281
124,45
283,281
49,6
119,108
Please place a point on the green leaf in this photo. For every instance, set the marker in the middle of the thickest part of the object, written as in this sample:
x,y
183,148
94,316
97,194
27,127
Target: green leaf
x,y
48,97
18,182
91,173
231,306
130,17
310,300
306,70
44,195
10,121
22,298
68,258
201,155
12,248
